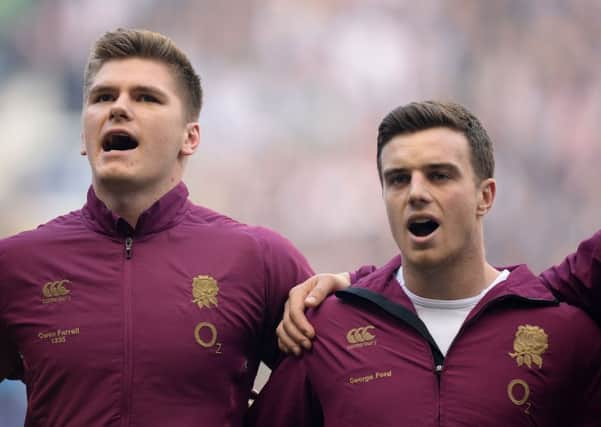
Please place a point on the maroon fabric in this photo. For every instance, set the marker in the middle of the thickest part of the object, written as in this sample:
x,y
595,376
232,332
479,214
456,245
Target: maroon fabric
x,y
112,341
577,280
362,271
385,375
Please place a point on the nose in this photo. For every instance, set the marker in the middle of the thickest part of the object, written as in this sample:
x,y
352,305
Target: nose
x,y
419,193
120,110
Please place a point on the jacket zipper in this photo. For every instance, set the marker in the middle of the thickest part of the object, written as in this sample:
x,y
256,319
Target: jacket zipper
x,y
129,242
439,367
127,335
411,319
438,372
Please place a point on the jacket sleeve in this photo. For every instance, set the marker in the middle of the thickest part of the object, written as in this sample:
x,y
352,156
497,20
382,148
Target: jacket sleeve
x,y
592,411
361,272
287,399
589,370
284,267
577,280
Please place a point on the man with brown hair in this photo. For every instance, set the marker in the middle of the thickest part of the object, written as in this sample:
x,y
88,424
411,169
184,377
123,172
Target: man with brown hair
x,y
445,339
141,308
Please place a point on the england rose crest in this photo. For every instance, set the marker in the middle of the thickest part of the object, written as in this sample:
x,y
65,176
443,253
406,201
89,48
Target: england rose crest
x,y
204,291
529,345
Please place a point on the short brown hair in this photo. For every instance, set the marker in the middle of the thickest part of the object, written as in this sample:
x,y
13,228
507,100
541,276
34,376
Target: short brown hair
x,y
418,116
130,43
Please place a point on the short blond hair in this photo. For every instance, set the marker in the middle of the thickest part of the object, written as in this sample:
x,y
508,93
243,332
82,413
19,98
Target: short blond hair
x,y
134,43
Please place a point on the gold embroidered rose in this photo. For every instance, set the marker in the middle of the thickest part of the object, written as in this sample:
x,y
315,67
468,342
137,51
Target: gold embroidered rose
x,y
529,345
205,290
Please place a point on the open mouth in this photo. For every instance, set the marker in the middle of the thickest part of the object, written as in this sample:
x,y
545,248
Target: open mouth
x,y
423,227
119,141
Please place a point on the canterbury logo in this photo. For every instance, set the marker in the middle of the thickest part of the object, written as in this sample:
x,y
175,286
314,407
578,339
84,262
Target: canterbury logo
x,y
360,335
55,289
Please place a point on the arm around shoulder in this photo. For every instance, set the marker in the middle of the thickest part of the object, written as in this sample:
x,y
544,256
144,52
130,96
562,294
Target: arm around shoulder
x,y
294,331
577,280
283,266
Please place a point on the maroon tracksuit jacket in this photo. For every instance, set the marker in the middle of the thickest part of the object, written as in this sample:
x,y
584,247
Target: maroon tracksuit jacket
x,y
163,325
520,359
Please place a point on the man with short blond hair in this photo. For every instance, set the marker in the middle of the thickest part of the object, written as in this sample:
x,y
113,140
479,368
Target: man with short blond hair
x,y
141,308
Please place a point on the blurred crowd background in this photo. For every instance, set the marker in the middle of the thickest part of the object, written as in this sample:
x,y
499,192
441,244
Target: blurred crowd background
x,y
294,93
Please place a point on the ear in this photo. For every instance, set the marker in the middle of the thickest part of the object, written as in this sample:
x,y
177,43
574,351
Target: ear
x,y
192,139
487,190
82,148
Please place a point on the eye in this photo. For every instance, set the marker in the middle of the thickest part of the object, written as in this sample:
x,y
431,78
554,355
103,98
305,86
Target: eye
x,y
145,97
397,179
439,176
102,97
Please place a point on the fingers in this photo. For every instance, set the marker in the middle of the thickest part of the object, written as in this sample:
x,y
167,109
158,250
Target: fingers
x,y
318,294
295,323
294,331
287,344
290,339
325,284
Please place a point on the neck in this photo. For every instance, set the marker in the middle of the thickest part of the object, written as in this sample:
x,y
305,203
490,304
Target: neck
x,y
129,204
452,280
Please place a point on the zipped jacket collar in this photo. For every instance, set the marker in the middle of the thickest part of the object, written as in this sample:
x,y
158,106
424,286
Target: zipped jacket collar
x,y
164,213
381,289
521,285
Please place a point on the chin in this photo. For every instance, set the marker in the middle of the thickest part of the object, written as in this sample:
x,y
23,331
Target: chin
x,y
117,181
425,259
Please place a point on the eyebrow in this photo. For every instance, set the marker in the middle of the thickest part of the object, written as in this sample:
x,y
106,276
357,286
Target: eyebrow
x,y
445,166
136,89
429,167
